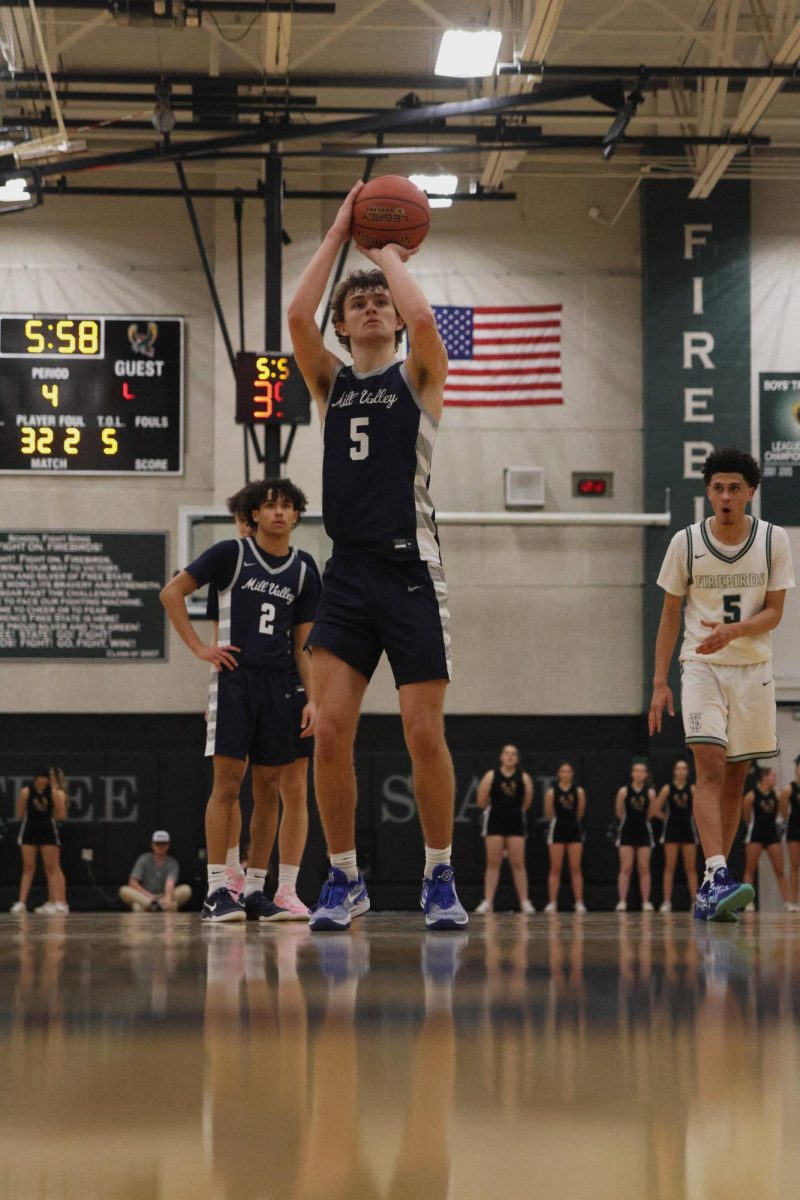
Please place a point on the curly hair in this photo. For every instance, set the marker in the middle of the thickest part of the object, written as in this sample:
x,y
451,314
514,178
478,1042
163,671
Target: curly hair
x,y
358,281
276,489
731,461
241,505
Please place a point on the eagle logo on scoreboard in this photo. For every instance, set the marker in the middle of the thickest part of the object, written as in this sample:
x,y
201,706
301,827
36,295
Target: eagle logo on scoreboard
x,y
143,343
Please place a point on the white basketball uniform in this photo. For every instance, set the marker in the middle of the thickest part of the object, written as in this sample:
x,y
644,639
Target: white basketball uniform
x,y
728,697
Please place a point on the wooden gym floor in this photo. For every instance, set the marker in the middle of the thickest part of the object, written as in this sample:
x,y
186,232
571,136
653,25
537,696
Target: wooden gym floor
x,y
145,1057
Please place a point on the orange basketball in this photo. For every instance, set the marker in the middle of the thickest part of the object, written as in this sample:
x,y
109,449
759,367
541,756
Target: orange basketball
x,y
390,209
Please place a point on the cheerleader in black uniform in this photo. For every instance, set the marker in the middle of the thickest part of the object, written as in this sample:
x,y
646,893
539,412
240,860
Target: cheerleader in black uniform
x,y
633,808
505,795
674,808
760,811
564,806
39,805
790,811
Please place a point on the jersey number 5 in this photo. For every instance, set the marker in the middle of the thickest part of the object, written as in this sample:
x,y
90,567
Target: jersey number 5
x,y
360,438
733,609
266,624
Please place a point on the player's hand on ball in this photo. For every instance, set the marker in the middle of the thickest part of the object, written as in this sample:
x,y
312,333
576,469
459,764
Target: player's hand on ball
x,y
344,217
722,634
376,253
662,697
219,656
308,720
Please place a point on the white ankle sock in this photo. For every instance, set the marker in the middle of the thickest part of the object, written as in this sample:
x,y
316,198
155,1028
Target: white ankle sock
x,y
287,876
254,881
713,864
433,858
217,877
346,862
232,859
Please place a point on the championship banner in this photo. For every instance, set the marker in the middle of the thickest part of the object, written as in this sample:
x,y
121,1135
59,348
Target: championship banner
x,y
779,437
696,358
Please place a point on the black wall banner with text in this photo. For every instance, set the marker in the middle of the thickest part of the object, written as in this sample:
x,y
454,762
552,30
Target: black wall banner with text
x,y
696,357
779,426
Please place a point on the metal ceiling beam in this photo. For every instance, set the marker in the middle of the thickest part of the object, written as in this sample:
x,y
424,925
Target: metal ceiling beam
x,y
753,106
648,74
145,8
398,120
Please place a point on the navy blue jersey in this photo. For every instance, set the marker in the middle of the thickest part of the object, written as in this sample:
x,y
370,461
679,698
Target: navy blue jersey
x,y
378,443
636,808
260,599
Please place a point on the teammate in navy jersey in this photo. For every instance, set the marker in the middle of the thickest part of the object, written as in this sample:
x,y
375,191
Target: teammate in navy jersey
x,y
289,793
268,595
790,810
633,808
733,571
383,588
674,808
761,809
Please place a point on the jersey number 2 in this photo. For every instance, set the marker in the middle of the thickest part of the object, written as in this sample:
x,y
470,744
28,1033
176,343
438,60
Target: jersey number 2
x,y
266,624
360,438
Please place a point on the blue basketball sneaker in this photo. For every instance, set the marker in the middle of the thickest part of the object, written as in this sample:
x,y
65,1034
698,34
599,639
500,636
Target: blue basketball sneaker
x,y
700,911
438,899
725,896
340,900
221,906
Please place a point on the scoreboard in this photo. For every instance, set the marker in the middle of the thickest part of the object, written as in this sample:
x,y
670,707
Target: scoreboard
x,y
87,395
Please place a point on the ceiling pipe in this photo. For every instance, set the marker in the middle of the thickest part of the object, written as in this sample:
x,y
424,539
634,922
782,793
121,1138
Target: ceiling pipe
x,y
644,73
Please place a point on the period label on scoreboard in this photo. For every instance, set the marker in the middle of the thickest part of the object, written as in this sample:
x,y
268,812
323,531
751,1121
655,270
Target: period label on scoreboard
x,y
89,395
85,595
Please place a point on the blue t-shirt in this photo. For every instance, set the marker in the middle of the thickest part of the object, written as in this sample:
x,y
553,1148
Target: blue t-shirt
x,y
260,599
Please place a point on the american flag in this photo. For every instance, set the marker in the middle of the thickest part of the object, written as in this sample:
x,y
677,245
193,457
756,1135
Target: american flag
x,y
505,356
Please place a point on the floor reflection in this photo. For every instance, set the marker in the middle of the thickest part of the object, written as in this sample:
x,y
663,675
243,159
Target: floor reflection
x,y
599,1056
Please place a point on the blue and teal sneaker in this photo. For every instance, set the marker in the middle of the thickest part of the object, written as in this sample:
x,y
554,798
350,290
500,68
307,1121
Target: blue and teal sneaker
x,y
700,911
443,909
340,900
725,896
220,906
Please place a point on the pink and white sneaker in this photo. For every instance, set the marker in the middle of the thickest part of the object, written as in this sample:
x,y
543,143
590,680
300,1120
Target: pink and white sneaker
x,y
235,881
288,899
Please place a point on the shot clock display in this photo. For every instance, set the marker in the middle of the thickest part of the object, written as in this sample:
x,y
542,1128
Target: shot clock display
x,y
91,395
270,390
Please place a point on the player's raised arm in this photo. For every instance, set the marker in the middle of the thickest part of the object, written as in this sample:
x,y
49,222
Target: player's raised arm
x,y
315,362
427,360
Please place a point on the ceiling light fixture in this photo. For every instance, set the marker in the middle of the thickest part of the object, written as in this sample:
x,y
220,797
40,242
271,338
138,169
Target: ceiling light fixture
x,y
438,188
468,53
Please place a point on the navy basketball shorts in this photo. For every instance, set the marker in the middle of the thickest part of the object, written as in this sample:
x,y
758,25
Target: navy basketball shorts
x,y
370,605
303,747
251,714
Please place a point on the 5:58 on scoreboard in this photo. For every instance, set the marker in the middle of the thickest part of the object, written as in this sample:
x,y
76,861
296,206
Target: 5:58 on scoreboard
x,y
91,395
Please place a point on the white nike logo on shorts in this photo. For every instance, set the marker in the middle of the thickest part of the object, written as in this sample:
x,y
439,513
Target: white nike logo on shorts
x,y
415,589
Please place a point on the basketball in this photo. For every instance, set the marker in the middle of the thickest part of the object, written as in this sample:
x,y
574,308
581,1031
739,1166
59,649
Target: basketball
x,y
390,209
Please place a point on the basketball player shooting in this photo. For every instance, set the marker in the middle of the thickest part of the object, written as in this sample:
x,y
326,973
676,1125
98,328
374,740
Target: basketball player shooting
x,y
384,587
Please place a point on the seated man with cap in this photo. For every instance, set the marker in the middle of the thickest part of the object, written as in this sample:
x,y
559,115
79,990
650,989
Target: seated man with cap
x,y
153,884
